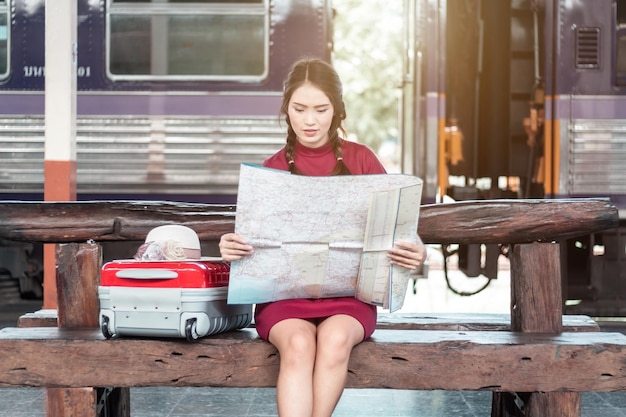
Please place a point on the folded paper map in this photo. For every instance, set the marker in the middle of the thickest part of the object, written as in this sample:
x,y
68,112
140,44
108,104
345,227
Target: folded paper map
x,y
321,237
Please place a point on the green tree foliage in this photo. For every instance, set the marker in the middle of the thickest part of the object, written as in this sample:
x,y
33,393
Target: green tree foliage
x,y
368,57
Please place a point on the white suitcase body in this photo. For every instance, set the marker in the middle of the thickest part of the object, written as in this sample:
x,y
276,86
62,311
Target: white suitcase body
x,y
168,299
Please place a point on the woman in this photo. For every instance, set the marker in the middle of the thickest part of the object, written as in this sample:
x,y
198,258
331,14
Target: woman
x,y
315,336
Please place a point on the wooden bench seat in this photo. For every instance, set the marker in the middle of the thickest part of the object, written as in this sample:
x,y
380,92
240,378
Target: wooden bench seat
x,y
398,359
393,321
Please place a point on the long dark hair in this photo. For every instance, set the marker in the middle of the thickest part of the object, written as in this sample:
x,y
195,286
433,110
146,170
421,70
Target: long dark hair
x,y
323,76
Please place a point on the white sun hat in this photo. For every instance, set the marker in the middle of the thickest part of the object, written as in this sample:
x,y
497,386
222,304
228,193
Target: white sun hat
x,y
170,242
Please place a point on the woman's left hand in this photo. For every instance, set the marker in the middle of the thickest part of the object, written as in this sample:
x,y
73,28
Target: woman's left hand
x,y
408,254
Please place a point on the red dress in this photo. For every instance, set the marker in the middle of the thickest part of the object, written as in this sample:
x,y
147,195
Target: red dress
x,y
320,162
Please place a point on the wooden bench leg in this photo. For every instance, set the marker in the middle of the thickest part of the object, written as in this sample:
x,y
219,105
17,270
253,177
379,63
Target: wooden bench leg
x,y
78,269
536,307
71,402
553,404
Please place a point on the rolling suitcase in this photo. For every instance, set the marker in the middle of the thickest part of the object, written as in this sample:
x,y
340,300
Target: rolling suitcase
x,y
168,299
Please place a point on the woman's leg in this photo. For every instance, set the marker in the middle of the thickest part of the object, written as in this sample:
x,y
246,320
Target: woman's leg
x,y
336,336
295,340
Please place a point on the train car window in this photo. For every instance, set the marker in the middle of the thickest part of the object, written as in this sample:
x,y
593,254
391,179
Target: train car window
x,y
620,41
191,40
4,40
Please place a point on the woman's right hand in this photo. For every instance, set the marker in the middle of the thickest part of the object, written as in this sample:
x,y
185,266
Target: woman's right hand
x,y
233,247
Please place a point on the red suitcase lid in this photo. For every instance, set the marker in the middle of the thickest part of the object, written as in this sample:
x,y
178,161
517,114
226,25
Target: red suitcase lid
x,y
205,273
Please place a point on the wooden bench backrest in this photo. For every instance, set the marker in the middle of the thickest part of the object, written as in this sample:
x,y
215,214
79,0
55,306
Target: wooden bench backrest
x,y
467,222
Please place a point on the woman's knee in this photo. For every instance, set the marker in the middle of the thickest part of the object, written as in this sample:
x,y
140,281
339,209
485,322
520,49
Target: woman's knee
x,y
336,340
337,343
294,340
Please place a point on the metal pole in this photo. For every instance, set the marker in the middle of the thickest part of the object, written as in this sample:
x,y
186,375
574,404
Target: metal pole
x,y
60,119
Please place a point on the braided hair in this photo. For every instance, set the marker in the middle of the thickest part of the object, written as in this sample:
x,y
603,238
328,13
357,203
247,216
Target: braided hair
x,y
323,76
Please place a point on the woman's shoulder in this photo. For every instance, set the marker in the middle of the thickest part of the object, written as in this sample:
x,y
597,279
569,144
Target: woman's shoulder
x,y
359,150
360,158
277,161
355,146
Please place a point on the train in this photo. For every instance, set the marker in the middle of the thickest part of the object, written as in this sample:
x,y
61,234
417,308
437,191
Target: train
x,y
524,99
498,99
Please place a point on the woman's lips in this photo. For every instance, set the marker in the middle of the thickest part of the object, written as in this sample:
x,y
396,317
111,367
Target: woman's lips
x,y
310,132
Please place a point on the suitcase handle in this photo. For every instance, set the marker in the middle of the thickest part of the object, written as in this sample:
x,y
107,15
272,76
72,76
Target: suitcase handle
x,y
147,273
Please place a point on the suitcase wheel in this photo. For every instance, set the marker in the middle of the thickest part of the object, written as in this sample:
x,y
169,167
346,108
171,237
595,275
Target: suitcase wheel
x,y
106,332
191,329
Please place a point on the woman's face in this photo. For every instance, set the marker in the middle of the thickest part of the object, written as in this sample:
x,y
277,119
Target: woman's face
x,y
310,113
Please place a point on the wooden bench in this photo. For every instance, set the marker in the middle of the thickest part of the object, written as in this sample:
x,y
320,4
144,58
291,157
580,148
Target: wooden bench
x,y
533,360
